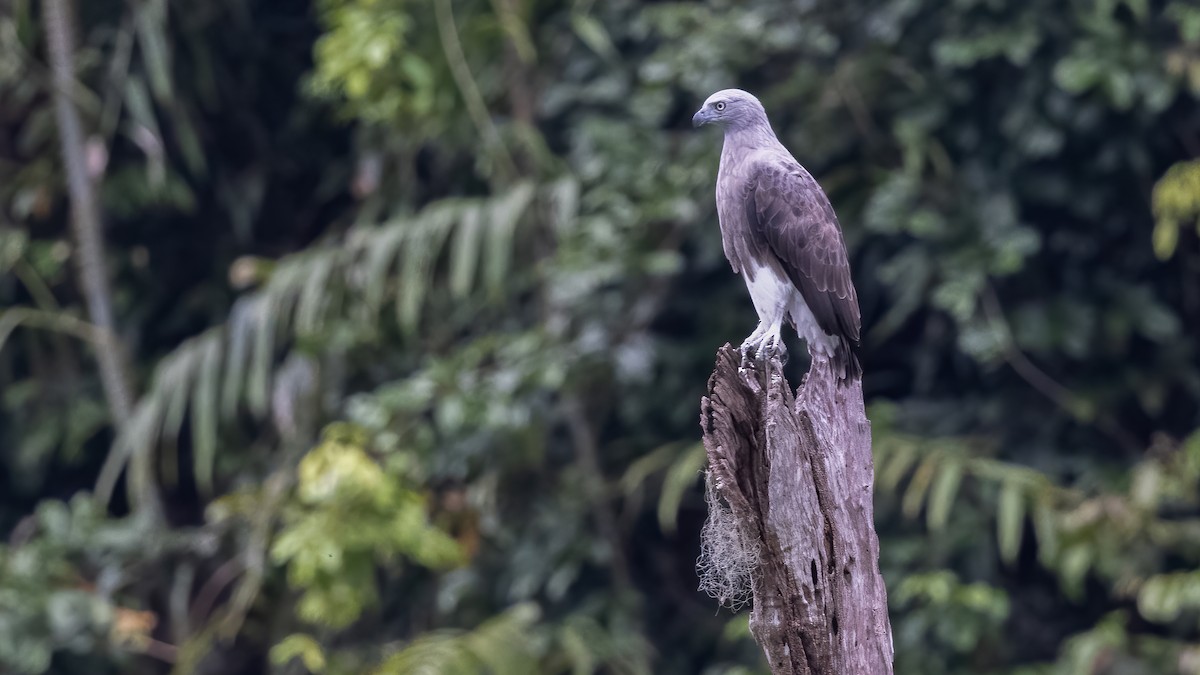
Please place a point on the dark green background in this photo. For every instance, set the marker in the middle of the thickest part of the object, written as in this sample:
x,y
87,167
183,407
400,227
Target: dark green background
x,y
421,298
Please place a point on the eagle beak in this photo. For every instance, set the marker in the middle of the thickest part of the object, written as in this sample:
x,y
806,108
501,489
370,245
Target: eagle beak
x,y
700,118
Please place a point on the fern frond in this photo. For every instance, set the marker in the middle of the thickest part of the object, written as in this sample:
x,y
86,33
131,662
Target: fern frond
x,y
216,373
1074,530
681,465
934,486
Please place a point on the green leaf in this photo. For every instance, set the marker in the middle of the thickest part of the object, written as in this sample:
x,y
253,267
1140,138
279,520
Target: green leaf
x,y
315,293
594,35
941,495
643,467
894,464
503,218
417,265
204,412
13,244
239,331
1073,569
299,645
504,645
258,377
464,258
918,487
1045,528
682,475
141,111
189,141
151,22
1010,520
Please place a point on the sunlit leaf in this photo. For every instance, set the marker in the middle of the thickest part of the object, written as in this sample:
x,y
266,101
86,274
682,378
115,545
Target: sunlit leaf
x,y
302,646
1010,520
918,487
942,494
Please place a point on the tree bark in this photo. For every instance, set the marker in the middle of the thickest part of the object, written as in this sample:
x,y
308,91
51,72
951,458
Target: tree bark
x,y
797,474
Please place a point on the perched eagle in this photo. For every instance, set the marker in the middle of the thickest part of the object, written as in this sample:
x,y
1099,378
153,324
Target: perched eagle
x,y
780,233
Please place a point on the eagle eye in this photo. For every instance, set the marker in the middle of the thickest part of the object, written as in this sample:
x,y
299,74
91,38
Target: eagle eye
x,y
719,105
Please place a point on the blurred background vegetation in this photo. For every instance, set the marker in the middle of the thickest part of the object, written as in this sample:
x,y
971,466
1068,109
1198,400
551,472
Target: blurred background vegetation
x,y
419,299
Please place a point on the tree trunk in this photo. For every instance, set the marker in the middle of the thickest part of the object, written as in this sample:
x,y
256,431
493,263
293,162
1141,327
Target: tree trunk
x,y
796,475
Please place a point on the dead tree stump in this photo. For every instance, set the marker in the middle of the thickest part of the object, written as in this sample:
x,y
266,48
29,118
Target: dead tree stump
x,y
794,476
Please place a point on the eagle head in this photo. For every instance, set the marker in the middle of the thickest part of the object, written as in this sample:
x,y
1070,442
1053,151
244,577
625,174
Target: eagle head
x,y
730,109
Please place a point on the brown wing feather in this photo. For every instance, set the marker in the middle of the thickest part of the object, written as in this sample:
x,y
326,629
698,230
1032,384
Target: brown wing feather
x,y
787,208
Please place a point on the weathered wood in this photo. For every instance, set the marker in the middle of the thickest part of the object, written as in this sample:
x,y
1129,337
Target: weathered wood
x,y
796,471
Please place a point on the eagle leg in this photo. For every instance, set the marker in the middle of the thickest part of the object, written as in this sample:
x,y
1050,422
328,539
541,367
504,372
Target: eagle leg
x,y
766,341
752,344
745,363
772,344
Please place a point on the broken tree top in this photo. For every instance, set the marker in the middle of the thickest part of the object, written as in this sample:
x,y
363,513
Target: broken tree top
x,y
790,480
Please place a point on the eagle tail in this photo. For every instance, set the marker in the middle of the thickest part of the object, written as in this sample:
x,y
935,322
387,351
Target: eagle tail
x,y
847,361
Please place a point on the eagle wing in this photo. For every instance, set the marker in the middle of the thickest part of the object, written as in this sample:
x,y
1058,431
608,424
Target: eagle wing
x,y
788,210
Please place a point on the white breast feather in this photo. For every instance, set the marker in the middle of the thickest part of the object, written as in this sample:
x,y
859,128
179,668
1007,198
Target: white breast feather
x,y
776,299
772,294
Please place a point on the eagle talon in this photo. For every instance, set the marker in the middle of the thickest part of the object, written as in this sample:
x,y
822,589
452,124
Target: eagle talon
x,y
770,344
772,348
745,351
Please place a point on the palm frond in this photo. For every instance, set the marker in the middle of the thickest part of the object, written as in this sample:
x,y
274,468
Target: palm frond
x,y
935,469
214,375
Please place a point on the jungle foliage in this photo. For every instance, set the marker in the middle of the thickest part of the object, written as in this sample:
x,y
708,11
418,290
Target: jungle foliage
x,y
420,299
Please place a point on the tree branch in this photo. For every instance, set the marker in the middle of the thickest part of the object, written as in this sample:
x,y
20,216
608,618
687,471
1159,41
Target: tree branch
x,y
796,473
1048,386
461,72
48,320
85,222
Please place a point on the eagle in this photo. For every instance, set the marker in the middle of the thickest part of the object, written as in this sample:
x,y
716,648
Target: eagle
x,y
780,233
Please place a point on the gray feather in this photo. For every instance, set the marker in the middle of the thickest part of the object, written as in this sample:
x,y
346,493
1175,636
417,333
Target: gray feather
x,y
774,215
